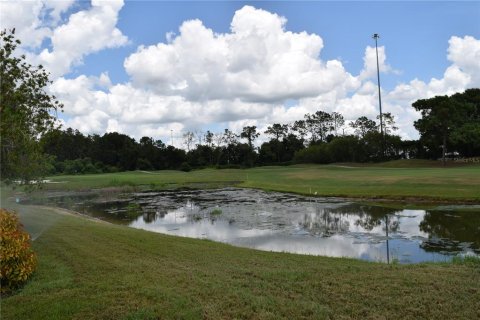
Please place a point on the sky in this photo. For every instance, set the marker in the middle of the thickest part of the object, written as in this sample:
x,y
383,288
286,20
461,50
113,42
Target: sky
x,y
153,68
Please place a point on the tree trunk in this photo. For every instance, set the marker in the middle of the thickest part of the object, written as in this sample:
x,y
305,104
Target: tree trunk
x,y
444,148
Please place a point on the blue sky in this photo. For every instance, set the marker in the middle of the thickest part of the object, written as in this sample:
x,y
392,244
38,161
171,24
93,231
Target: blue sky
x,y
114,69
415,33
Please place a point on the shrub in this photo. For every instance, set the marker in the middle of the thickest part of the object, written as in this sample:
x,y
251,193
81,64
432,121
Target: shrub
x,y
216,212
185,167
314,154
17,258
133,210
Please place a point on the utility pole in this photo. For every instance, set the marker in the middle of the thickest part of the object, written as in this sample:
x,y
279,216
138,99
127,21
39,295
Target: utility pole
x,y
376,36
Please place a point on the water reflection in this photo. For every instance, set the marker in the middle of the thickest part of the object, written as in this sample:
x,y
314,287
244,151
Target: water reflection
x,y
284,222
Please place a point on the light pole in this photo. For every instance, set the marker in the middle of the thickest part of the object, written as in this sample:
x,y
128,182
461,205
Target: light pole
x,y
376,36
171,136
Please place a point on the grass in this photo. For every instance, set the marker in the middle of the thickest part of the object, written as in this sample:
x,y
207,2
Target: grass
x,y
94,270
401,180
216,212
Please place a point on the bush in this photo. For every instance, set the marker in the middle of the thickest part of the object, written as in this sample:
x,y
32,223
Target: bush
x,y
17,258
319,153
185,167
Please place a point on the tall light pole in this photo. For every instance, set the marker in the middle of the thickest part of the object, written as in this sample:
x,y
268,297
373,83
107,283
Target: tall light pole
x,y
376,36
171,136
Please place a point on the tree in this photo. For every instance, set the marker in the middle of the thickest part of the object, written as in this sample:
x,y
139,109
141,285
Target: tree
x,y
440,115
324,124
229,137
466,135
277,130
208,138
250,133
363,125
230,140
26,112
338,121
300,128
388,122
188,138
67,144
319,125
118,150
200,135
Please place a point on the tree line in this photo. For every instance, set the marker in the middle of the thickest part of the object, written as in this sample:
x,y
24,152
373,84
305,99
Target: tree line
x,y
315,139
32,146
447,123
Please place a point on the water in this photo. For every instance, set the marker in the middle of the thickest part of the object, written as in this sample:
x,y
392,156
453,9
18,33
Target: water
x,y
289,223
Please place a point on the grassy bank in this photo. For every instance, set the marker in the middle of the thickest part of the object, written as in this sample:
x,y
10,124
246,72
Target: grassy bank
x,y
94,270
407,180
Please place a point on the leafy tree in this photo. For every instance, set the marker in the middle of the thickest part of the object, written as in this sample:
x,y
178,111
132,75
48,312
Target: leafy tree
x,y
291,144
250,133
317,153
277,130
466,135
388,122
26,112
338,121
363,125
118,150
66,144
346,149
231,141
439,117
319,125
208,138
300,128
229,137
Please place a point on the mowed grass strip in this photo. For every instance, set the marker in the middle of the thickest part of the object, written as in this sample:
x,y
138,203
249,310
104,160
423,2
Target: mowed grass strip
x,y
94,270
460,183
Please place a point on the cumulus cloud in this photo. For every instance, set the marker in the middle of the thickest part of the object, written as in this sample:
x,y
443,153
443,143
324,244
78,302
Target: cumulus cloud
x,y
463,73
465,54
258,73
258,61
85,32
33,20
370,63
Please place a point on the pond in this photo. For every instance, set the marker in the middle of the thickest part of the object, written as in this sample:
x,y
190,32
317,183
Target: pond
x,y
290,223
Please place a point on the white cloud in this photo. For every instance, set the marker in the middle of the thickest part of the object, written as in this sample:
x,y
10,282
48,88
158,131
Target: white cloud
x,y
199,78
33,20
465,54
258,61
137,111
463,73
370,63
85,32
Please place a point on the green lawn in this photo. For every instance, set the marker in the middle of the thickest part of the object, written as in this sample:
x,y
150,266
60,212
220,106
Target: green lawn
x,y
411,183
94,270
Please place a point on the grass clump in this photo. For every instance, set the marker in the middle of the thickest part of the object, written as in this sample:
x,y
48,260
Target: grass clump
x,y
216,212
133,210
467,260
